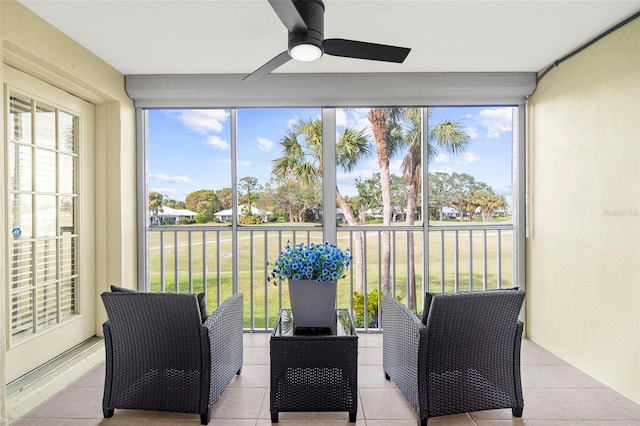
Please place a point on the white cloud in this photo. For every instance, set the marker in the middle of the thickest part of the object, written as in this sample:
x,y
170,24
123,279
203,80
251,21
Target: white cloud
x,y
244,163
217,143
265,144
162,177
472,132
166,192
441,158
497,121
356,118
470,157
341,118
292,122
202,120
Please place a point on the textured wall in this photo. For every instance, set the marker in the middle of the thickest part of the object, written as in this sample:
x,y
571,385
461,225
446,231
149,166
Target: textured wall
x,y
583,256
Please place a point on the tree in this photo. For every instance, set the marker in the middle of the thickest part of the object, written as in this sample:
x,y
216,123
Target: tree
x,y
250,186
302,161
225,197
194,200
369,194
447,135
155,206
488,201
378,119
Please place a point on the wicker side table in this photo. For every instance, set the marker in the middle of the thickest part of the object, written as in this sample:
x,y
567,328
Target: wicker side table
x,y
314,369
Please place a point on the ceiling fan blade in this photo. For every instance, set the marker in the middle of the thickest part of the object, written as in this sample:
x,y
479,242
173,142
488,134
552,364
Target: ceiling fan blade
x,y
289,15
274,63
364,50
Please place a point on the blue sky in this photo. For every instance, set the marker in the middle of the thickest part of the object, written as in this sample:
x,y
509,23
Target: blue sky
x,y
190,149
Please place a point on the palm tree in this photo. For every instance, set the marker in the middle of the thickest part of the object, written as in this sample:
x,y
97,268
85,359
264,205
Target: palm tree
x,y
303,161
155,206
378,119
447,135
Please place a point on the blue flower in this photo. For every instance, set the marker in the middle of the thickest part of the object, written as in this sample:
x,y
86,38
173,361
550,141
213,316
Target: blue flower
x,y
321,262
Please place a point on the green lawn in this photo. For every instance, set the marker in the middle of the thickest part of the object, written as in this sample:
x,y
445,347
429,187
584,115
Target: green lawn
x,y
263,300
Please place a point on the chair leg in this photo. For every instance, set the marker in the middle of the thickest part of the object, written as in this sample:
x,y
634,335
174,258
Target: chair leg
x,y
386,376
107,412
517,411
239,371
204,418
423,422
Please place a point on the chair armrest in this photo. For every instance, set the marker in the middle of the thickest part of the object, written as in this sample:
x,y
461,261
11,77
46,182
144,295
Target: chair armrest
x,y
403,346
225,328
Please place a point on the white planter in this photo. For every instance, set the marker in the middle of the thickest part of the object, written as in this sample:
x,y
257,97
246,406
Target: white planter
x,y
313,303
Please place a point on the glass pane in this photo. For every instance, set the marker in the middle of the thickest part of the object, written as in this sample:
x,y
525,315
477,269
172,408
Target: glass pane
x,y
22,314
67,215
46,264
21,264
67,298
279,165
21,216
19,126
45,216
47,304
67,257
66,174
66,132
189,165
20,168
45,171
45,131
378,155
472,184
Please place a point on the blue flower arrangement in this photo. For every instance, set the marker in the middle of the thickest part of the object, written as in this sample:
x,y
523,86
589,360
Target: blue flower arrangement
x,y
320,262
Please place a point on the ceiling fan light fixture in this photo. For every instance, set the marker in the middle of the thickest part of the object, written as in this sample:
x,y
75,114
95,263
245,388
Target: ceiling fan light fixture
x,y
306,52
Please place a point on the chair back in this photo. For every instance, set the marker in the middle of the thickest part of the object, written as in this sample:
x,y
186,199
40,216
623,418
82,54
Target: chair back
x,y
472,329
155,330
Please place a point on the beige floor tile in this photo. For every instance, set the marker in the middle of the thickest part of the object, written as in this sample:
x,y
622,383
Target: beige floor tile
x,y
385,404
239,403
259,339
557,376
252,376
372,376
502,414
585,404
370,356
540,405
256,355
366,340
555,394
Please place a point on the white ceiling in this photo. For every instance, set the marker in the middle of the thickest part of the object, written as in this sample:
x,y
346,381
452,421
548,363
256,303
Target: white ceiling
x,y
237,36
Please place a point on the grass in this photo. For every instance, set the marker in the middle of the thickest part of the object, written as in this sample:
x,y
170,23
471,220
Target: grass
x,y
186,269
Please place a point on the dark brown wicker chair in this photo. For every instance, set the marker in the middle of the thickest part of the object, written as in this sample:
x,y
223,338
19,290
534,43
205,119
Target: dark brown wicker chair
x,y
463,356
160,356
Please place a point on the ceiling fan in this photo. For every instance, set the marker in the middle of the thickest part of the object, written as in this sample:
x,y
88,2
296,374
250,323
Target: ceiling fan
x,y
304,19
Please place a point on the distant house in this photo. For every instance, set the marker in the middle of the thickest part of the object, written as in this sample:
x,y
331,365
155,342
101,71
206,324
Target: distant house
x,y
227,215
168,212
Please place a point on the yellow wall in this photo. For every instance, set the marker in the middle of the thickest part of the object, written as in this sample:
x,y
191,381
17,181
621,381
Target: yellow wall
x,y
583,251
35,47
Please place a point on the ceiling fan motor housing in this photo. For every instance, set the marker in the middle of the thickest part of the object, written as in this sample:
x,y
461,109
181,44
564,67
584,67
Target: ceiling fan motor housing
x,y
312,12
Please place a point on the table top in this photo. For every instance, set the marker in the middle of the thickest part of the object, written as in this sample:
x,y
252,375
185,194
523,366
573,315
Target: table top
x,y
343,327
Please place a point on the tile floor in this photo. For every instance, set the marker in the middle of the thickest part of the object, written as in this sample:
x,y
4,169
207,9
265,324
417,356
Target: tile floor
x,y
555,394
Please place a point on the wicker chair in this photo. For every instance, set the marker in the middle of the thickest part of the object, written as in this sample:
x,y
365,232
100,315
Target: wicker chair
x,y
160,356
462,356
